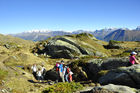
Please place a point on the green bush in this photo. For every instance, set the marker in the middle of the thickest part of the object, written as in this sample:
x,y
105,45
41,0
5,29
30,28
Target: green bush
x,y
3,74
63,88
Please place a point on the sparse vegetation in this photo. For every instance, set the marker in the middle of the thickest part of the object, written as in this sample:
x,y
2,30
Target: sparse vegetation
x,y
114,42
3,74
83,35
63,88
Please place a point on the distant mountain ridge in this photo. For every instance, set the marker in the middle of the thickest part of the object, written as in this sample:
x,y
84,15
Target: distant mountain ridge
x,y
124,35
39,35
121,34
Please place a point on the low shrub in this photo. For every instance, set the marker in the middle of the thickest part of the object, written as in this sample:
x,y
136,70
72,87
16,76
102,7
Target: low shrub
x,y
63,88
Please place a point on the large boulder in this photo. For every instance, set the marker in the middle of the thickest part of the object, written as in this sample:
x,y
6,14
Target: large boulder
x,y
94,66
71,46
65,48
129,76
52,75
115,44
113,63
78,73
113,89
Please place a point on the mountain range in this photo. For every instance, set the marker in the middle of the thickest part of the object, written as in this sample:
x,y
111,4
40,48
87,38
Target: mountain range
x,y
119,34
123,35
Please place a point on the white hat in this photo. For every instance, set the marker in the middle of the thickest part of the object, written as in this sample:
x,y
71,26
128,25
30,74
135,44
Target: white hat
x,y
133,53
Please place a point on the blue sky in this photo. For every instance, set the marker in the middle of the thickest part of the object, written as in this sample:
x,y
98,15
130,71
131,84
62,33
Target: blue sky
x,y
24,15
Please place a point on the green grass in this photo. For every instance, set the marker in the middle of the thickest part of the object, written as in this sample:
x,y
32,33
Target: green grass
x,y
124,54
114,42
83,35
3,74
63,88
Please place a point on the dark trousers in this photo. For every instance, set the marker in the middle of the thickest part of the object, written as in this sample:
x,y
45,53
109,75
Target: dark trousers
x,y
34,74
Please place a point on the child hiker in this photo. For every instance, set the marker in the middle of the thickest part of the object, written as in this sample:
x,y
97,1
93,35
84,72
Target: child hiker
x,y
132,59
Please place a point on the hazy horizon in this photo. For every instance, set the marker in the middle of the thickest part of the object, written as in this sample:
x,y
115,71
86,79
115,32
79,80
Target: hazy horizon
x,y
44,30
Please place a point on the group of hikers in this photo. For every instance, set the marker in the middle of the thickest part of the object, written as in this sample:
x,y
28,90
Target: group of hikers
x,y
63,71
38,73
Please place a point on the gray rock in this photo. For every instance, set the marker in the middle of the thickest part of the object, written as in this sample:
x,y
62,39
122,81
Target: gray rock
x,y
65,47
52,75
118,89
129,76
111,88
95,65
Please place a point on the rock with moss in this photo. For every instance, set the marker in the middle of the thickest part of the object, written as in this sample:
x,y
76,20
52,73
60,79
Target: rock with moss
x,y
115,44
64,47
94,66
113,89
71,46
129,76
113,63
78,72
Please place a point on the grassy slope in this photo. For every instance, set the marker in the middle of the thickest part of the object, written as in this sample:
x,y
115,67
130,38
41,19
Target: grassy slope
x,y
9,58
13,57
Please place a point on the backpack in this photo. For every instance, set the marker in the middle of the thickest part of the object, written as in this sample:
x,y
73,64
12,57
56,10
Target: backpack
x,y
68,70
57,66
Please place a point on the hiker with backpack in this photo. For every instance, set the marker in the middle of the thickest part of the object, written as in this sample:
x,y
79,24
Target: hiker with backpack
x,y
68,74
57,71
65,73
34,71
132,59
43,71
39,75
61,71
57,66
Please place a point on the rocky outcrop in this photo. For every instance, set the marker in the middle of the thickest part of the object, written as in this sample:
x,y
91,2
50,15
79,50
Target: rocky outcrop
x,y
79,74
129,76
96,65
114,45
71,46
65,47
112,89
52,75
